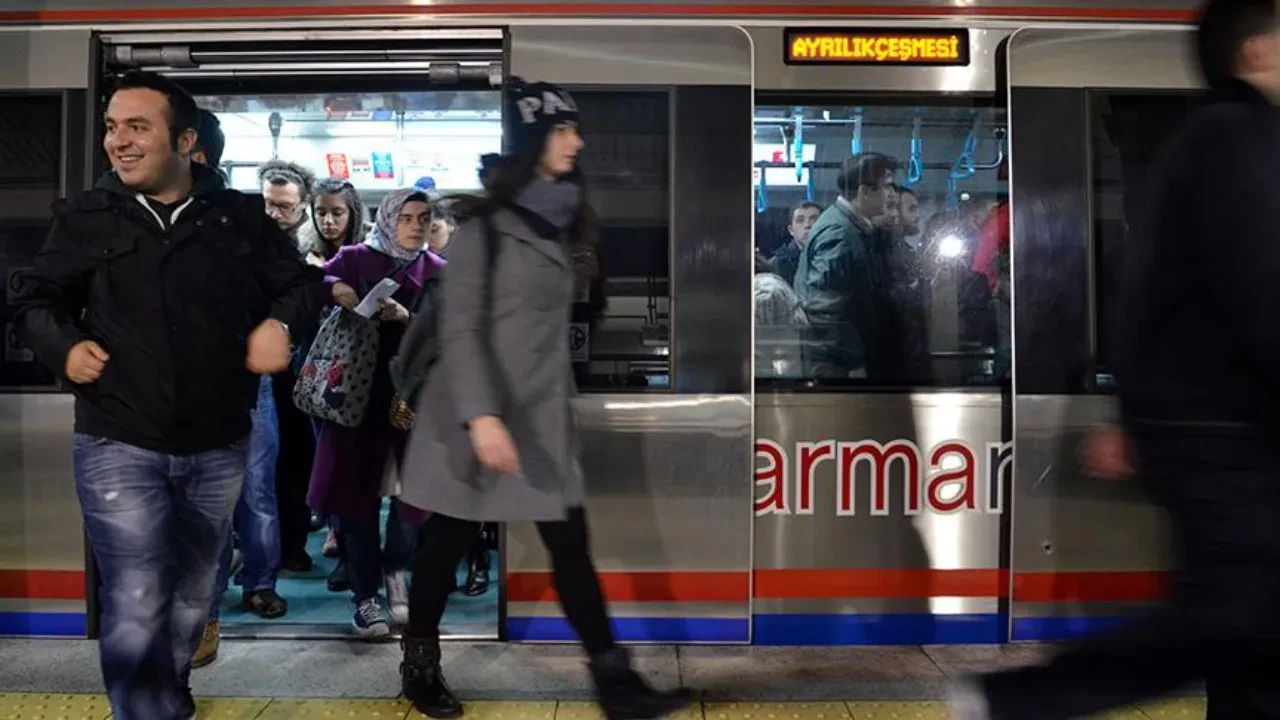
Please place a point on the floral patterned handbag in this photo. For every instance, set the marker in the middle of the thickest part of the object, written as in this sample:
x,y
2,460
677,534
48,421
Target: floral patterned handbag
x,y
337,378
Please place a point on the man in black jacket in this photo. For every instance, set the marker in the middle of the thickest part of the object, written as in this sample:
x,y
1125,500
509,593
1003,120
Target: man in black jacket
x,y
1199,379
160,297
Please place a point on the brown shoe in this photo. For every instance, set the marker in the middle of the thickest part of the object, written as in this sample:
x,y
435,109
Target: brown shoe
x,y
208,650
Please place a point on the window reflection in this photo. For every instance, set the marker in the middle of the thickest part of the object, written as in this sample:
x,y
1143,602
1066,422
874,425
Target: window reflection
x,y
1128,131
882,246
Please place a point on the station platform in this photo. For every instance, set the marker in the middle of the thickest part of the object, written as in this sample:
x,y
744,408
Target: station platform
x,y
284,679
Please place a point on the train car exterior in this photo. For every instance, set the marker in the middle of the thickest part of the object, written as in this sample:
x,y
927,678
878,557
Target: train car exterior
x,y
729,505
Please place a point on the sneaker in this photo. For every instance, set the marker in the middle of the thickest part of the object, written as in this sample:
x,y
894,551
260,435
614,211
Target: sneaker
x,y
968,701
369,620
266,604
208,650
398,597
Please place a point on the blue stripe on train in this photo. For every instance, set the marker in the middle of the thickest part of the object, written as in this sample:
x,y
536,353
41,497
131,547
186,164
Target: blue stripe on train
x,y
1051,629
42,623
635,629
879,629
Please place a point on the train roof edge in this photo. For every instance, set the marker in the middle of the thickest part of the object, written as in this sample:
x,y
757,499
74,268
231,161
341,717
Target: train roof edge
x,y
60,12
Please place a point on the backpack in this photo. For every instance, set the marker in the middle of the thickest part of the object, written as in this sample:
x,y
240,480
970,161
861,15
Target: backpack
x,y
420,346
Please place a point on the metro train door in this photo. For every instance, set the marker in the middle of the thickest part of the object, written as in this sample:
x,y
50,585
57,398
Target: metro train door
x,y
379,109
46,109
664,408
882,432
1090,109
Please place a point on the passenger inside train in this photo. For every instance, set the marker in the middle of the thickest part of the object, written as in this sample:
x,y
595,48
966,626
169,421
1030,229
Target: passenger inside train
x,y
313,161
891,280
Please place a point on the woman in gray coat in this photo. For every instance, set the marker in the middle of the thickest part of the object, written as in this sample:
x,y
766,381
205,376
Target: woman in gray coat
x,y
494,438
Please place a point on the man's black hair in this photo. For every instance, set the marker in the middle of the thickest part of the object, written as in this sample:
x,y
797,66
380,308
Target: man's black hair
x,y
1225,27
211,138
904,190
865,169
803,205
183,113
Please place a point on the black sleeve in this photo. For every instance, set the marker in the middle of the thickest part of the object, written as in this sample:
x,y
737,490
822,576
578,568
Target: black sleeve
x,y
1237,232
295,288
51,298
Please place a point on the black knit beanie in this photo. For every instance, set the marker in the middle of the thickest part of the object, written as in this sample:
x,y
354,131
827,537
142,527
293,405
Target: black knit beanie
x,y
532,110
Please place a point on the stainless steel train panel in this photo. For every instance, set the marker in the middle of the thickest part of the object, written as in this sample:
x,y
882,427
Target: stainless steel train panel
x,y
629,55
860,537
1084,551
46,77
42,551
48,59
669,523
668,506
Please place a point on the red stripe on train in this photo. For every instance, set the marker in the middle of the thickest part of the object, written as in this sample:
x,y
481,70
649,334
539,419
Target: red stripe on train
x,y
1090,587
837,584
819,584
42,584
594,10
641,586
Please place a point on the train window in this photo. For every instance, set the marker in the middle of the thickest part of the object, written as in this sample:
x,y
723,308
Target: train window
x,y
30,179
626,161
899,281
379,142
1127,132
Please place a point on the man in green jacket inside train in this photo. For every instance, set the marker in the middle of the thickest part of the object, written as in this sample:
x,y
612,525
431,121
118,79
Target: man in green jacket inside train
x,y
843,277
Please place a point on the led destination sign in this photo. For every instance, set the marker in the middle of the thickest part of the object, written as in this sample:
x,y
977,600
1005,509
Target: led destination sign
x,y
806,46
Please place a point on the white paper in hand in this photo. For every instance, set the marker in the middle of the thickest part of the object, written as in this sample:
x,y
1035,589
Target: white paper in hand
x,y
383,290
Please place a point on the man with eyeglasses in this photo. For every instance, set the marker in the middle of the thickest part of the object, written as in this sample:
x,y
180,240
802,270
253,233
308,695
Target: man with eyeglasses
x,y
287,189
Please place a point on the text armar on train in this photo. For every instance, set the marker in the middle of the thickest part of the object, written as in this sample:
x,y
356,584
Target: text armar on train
x,y
950,478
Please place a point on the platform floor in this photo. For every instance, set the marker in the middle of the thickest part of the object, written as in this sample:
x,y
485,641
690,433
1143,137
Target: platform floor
x,y
275,679
94,707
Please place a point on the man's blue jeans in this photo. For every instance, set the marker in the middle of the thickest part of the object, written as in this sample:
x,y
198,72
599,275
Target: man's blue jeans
x,y
257,518
157,524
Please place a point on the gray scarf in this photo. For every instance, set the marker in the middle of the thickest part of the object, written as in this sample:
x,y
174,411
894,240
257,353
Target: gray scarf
x,y
383,236
556,202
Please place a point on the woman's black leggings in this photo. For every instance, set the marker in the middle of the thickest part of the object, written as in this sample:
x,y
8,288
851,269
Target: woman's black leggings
x,y
445,540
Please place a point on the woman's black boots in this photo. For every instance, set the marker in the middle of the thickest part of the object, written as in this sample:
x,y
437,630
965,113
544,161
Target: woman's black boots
x,y
624,695
422,681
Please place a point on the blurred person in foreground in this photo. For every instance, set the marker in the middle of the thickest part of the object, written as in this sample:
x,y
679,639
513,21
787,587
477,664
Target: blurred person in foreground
x,y
1201,422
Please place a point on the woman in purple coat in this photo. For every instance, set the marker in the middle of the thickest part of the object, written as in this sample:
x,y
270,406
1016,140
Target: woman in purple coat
x,y
346,479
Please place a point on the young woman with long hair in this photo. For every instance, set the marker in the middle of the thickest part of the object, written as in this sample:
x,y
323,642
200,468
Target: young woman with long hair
x,y
495,438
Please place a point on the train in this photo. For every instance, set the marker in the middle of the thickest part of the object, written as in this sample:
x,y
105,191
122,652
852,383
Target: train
x,y
732,500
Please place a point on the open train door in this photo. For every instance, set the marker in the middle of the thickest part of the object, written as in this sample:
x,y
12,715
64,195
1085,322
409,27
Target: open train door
x,y
46,108
1088,110
377,108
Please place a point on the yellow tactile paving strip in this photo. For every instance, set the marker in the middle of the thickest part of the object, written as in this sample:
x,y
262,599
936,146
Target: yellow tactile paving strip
x,y
35,706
